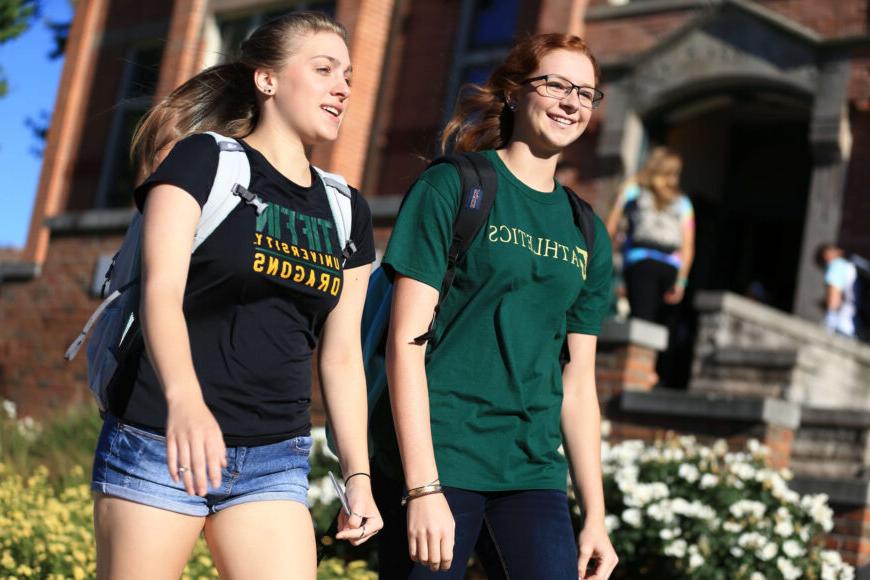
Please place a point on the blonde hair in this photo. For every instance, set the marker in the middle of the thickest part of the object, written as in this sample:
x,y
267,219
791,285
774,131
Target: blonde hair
x,y
661,161
223,98
482,119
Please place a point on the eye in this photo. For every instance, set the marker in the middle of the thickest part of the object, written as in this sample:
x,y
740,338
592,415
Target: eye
x,y
556,85
586,93
348,80
324,69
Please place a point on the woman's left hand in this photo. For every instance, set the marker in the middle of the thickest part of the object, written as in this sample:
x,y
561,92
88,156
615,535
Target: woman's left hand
x,y
365,519
594,545
675,294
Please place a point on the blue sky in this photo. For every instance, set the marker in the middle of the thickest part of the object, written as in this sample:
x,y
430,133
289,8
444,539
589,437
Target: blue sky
x,y
33,80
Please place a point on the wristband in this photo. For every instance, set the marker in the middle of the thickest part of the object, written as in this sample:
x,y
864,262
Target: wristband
x,y
422,491
352,475
682,282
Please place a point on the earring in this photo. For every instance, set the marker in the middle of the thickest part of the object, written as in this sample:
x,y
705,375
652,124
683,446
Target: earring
x,y
512,106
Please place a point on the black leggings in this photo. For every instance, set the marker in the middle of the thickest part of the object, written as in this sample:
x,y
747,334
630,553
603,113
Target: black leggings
x,y
647,282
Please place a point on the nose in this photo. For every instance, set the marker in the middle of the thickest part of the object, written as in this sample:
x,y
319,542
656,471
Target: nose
x,y
570,103
341,88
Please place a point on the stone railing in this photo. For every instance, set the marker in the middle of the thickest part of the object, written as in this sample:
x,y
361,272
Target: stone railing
x,y
747,348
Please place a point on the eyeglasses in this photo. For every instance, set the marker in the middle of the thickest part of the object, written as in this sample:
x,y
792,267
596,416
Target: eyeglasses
x,y
558,87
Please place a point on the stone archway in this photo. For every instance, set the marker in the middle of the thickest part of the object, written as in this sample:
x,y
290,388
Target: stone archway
x,y
739,45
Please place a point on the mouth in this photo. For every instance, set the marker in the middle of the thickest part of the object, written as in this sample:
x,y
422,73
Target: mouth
x,y
334,112
562,120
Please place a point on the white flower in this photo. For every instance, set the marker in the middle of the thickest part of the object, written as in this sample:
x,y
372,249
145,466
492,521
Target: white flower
x,y
833,567
788,569
10,409
748,508
784,528
669,533
696,560
677,548
751,540
768,552
641,494
757,576
709,480
793,549
744,471
611,522
817,507
632,517
732,527
605,428
720,448
321,491
661,512
689,472
736,552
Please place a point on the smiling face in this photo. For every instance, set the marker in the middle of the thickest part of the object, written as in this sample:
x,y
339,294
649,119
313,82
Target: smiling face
x,y
310,93
548,124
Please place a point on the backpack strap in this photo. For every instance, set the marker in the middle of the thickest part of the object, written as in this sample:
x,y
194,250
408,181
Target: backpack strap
x,y
478,183
232,177
339,196
584,217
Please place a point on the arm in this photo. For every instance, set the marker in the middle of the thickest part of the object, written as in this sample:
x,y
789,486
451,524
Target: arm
x,y
615,215
581,432
430,522
193,437
343,383
833,298
687,256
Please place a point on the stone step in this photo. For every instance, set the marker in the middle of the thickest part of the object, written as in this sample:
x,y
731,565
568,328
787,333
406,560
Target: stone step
x,y
831,443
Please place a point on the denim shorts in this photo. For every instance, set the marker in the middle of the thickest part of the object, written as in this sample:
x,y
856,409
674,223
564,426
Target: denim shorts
x,y
130,463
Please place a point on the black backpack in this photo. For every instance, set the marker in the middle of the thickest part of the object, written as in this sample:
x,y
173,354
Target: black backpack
x,y
479,185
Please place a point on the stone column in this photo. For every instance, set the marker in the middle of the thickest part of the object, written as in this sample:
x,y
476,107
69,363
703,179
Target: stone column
x,y
831,141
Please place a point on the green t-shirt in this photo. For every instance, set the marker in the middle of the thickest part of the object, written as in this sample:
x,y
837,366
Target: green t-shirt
x,y
495,383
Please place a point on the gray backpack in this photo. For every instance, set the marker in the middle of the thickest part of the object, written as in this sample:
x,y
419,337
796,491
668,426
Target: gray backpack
x,y
116,319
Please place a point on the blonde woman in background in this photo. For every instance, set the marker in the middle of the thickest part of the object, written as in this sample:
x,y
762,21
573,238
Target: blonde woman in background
x,y
659,236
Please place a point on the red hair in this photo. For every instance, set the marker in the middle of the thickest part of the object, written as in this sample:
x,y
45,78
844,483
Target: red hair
x,y
482,119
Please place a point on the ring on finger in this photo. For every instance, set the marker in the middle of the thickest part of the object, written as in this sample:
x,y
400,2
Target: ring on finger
x,y
183,469
363,530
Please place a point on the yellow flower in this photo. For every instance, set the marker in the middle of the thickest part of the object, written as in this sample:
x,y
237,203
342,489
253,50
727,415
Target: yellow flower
x,y
79,573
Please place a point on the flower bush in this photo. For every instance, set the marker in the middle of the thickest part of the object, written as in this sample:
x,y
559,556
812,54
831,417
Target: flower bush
x,y
678,510
46,527
683,510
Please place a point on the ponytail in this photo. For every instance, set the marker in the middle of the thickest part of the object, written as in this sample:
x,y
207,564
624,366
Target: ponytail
x,y
223,98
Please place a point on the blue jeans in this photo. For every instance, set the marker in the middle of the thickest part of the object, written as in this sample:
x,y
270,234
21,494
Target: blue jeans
x,y
517,535
130,463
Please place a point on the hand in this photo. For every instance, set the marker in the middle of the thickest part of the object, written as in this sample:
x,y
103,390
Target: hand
x,y
195,451
365,520
431,531
675,294
593,544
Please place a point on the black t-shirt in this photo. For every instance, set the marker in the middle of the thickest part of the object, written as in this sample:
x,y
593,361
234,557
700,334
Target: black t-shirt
x,y
258,291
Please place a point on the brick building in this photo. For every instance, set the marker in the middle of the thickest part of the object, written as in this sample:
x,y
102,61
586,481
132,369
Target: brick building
x,y
767,100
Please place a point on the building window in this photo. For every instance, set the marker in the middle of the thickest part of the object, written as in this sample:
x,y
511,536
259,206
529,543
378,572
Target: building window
x,y
234,27
138,84
487,30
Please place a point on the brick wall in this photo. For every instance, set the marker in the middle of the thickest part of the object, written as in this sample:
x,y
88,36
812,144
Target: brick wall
x,y
851,534
829,19
40,318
